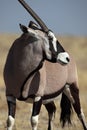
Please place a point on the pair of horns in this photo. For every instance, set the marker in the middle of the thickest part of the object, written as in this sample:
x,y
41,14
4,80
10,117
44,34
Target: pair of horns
x,y
34,15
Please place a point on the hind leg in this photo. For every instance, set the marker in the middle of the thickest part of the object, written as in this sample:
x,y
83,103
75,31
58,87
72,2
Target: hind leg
x,y
51,108
67,92
77,106
11,112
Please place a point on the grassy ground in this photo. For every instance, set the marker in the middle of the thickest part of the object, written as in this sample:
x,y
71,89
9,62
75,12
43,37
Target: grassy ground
x,y
77,46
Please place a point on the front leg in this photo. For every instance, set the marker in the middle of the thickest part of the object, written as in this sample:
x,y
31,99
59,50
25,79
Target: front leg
x,y
35,113
11,112
51,108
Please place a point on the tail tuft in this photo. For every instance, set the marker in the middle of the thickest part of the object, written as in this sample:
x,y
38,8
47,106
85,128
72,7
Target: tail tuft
x,y
66,110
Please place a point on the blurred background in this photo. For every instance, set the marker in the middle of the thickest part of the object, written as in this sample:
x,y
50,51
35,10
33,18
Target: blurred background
x,y
68,20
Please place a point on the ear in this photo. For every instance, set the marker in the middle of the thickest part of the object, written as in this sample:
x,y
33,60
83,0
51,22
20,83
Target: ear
x,y
31,31
32,24
23,28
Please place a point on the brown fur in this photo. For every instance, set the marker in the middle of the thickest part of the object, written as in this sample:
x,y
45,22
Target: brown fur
x,y
50,79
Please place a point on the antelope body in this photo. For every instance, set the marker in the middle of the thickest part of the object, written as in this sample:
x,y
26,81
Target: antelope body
x,y
26,74
49,80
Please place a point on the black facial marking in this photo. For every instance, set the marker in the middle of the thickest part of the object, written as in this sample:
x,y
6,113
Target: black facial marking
x,y
60,49
55,53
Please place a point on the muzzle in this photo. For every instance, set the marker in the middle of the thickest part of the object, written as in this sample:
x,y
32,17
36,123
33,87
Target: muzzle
x,y
63,58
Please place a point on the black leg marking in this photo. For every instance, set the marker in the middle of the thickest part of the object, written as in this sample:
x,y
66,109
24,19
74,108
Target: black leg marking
x,y
36,107
51,108
11,112
77,105
35,113
12,109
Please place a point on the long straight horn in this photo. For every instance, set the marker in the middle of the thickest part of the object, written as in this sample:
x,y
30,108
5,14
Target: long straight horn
x,y
34,15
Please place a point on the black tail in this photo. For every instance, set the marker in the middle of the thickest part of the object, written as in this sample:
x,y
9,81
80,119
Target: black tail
x,y
66,110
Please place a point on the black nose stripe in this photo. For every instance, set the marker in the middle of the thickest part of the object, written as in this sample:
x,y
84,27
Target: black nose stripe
x,y
67,59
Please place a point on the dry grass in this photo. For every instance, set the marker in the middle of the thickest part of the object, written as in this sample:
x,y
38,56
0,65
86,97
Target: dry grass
x,y
77,46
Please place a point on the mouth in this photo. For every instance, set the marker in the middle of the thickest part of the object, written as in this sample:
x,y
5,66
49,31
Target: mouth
x,y
62,63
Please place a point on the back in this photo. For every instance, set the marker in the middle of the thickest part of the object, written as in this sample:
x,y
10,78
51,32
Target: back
x,y
23,57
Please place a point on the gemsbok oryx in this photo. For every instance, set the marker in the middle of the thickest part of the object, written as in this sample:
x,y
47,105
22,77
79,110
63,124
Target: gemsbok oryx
x,y
27,79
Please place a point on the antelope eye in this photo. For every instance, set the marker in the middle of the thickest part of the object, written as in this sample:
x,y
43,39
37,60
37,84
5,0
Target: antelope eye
x,y
50,38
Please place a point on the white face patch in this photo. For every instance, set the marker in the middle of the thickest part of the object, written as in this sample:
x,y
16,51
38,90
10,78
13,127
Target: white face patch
x,y
51,34
63,57
47,50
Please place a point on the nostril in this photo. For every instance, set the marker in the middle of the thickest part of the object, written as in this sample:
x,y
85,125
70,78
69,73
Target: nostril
x,y
67,59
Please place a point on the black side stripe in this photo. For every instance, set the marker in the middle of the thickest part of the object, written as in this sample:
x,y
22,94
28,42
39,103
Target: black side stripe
x,y
53,95
35,70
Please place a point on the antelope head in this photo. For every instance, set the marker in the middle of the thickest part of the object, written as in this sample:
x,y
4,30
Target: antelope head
x,y
54,51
